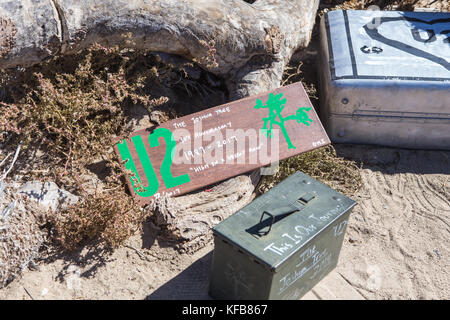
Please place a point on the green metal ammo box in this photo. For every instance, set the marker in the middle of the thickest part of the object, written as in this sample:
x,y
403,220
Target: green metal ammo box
x,y
282,244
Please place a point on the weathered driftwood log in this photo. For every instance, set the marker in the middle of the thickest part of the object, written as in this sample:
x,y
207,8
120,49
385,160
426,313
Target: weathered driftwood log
x,y
253,42
189,218
247,45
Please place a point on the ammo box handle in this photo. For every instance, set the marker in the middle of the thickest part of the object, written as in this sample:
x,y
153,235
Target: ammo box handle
x,y
284,211
287,210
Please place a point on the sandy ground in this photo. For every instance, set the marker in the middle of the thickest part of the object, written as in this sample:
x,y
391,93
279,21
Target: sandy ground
x,y
398,241
397,244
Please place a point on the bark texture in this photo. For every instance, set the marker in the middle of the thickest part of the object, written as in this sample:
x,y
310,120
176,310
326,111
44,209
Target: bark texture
x,y
253,42
189,219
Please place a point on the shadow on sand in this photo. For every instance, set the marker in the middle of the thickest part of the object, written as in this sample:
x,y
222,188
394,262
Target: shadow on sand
x,y
395,160
190,284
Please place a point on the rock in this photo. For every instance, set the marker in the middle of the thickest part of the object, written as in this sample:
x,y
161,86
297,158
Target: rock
x,y
48,195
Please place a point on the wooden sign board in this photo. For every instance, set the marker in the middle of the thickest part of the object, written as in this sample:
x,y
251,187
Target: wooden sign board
x,y
209,146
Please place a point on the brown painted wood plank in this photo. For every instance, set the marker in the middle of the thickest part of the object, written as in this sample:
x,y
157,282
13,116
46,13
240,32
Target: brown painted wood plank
x,y
221,142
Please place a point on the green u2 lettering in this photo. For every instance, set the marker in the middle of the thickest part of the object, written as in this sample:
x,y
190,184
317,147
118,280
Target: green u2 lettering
x,y
153,184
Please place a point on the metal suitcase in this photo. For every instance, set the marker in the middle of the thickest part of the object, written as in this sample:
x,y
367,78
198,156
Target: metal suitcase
x,y
280,245
385,78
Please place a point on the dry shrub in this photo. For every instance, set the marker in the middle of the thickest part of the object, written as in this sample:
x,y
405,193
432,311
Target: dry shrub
x,y
73,118
322,164
405,5
21,235
293,73
71,110
110,217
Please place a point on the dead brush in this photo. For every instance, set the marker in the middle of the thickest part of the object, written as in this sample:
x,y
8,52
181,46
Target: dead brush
x,y
72,110
110,217
407,5
322,164
73,119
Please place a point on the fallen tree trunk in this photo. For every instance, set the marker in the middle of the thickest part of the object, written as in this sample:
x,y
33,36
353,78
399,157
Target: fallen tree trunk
x,y
252,42
188,219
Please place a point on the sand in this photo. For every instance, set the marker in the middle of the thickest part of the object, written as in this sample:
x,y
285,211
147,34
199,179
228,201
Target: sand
x,y
397,244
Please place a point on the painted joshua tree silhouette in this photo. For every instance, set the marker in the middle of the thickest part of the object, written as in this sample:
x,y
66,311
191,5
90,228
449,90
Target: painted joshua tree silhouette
x,y
276,105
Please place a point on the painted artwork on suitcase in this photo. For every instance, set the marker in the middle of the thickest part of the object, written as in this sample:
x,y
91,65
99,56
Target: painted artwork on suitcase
x,y
389,44
385,78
